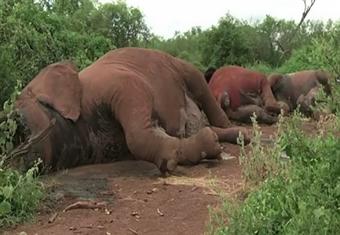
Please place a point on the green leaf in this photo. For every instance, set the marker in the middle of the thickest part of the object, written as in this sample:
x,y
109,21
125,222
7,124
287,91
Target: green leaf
x,y
7,191
5,208
319,212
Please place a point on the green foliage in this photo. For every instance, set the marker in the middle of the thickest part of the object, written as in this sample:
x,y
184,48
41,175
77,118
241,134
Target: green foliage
x,y
261,67
34,34
304,200
260,161
124,25
8,125
19,193
269,42
226,44
186,46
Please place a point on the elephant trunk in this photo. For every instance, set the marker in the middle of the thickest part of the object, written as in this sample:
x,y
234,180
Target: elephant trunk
x,y
268,98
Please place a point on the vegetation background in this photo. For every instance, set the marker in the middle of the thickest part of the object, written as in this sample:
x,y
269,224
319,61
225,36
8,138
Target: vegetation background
x,y
35,33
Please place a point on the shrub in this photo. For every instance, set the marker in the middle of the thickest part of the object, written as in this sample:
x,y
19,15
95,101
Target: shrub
x,y
304,200
19,193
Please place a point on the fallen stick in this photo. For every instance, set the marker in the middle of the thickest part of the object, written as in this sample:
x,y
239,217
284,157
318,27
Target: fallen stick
x,y
133,231
85,205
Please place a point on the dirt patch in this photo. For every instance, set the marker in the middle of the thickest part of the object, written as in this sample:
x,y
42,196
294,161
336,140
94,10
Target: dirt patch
x,y
138,200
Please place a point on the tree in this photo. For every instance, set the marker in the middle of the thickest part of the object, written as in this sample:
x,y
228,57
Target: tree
x,y
226,44
124,25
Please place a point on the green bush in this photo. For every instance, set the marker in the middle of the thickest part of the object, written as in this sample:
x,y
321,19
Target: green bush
x,y
303,201
261,67
20,194
34,34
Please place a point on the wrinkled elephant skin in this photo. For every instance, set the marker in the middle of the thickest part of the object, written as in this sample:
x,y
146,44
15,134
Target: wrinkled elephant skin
x,y
131,100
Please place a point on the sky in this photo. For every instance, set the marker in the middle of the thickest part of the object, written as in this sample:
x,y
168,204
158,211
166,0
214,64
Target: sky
x,y
165,17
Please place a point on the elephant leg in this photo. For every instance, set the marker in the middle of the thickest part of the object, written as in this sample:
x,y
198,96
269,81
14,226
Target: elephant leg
x,y
284,107
244,113
200,92
307,101
270,103
146,142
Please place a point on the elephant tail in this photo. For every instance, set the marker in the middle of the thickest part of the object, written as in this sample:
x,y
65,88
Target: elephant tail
x,y
209,73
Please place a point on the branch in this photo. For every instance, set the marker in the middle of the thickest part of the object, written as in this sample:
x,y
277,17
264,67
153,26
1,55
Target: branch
x,y
305,12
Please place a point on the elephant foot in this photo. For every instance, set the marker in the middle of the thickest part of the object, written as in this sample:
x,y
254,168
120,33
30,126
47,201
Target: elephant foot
x,y
187,151
284,107
266,118
200,146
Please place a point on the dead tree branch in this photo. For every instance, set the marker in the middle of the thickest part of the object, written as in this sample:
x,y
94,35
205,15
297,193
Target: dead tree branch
x,y
305,12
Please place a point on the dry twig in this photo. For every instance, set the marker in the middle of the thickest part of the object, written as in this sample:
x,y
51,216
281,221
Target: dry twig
x,y
85,205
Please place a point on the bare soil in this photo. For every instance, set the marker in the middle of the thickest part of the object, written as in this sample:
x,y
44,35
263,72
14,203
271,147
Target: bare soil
x,y
138,200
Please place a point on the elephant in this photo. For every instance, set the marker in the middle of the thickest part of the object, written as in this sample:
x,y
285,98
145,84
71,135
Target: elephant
x,y
300,89
135,102
241,92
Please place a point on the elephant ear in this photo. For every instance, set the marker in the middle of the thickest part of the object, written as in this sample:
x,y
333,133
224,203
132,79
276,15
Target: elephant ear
x,y
58,86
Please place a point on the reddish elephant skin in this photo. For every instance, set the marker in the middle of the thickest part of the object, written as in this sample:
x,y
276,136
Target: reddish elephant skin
x,y
248,92
300,88
131,100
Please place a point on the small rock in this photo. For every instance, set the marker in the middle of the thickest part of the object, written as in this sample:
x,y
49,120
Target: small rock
x,y
134,213
22,233
159,212
52,218
154,190
72,228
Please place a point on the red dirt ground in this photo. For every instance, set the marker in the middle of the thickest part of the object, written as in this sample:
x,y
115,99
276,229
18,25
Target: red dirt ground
x,y
139,201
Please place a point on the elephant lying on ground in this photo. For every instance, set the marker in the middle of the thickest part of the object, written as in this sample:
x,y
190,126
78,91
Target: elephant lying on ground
x,y
300,88
131,100
242,92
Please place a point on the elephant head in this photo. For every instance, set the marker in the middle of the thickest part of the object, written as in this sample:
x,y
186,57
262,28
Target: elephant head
x,y
58,86
49,107
300,88
275,81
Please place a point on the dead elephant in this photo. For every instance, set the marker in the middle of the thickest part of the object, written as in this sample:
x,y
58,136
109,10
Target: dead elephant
x,y
242,92
300,89
131,100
